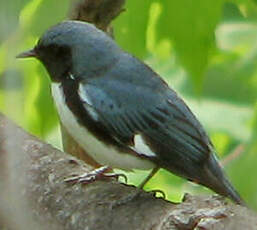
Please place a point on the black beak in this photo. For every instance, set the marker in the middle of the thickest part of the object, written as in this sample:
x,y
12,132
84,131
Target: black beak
x,y
26,54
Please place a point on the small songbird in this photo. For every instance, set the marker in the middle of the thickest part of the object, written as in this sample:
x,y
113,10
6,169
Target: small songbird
x,y
121,112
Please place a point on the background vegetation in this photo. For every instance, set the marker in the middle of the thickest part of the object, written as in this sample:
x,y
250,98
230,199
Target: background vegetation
x,y
206,50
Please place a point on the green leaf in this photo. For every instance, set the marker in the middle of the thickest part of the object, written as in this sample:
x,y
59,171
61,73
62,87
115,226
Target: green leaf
x,y
254,125
9,16
44,104
190,25
30,92
131,25
44,13
248,8
234,67
242,172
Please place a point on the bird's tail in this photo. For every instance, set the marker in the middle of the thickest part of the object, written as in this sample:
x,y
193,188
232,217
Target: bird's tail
x,y
215,179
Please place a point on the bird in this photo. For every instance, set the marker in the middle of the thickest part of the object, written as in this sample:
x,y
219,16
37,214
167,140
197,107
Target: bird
x,y
122,112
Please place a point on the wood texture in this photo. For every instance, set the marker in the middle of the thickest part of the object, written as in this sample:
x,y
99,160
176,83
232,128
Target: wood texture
x,y
33,195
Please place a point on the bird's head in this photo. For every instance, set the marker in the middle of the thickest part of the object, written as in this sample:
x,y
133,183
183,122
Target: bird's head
x,y
73,47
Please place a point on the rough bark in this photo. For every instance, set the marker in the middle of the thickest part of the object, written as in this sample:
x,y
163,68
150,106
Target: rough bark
x,y
99,12
33,195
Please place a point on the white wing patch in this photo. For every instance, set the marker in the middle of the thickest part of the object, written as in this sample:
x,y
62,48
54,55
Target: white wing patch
x,y
141,147
88,105
71,76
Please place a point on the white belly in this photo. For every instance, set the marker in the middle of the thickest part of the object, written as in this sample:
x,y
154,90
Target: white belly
x,y
100,152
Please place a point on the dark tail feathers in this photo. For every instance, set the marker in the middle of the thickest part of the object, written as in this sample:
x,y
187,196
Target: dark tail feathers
x,y
215,179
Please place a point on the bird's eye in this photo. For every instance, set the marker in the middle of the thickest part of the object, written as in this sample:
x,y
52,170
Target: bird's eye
x,y
58,51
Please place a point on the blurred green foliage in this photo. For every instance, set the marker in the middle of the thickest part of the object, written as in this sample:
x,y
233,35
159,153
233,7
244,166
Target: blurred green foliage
x,y
206,50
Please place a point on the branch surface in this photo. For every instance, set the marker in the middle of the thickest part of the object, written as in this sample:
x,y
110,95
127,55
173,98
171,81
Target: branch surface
x,y
32,190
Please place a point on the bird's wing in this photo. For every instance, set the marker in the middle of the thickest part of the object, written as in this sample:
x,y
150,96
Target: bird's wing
x,y
156,117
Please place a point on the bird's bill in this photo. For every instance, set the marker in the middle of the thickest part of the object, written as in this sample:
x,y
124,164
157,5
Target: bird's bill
x,y
27,54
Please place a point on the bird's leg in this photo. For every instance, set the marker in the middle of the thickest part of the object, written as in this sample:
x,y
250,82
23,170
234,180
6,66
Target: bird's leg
x,y
144,182
97,174
141,186
152,173
137,192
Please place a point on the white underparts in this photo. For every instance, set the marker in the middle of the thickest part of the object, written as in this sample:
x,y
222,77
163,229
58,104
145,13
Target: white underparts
x,y
103,154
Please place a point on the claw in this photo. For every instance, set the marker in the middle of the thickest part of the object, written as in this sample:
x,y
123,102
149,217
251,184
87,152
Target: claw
x,y
117,175
97,174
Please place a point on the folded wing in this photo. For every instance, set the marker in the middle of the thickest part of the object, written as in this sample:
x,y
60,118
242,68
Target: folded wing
x,y
171,135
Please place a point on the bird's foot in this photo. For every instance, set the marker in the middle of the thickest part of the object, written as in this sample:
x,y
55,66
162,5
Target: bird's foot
x,y
94,175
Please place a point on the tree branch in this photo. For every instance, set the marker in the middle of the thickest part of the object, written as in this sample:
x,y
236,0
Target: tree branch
x,y
99,12
34,195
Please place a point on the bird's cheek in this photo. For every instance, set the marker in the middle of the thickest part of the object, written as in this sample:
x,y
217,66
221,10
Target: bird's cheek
x,y
51,69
